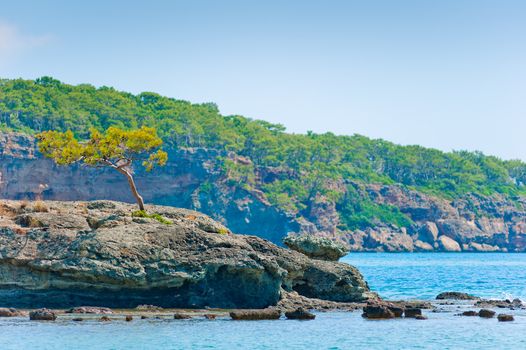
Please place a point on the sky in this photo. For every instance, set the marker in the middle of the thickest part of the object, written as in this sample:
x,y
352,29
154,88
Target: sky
x,y
447,74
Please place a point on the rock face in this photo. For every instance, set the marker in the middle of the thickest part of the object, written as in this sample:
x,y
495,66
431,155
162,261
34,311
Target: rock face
x,y
103,256
193,179
316,247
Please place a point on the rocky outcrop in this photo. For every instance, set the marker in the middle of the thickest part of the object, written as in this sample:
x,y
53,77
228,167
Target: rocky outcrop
x,y
193,179
97,253
316,247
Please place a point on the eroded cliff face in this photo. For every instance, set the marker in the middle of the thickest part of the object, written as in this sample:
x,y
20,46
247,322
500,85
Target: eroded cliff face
x,y
59,254
193,179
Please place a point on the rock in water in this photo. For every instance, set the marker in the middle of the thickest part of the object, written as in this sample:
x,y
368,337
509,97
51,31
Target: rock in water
x,y
382,310
505,318
316,247
485,313
412,312
100,256
300,314
89,310
456,296
10,312
470,313
251,315
42,315
179,316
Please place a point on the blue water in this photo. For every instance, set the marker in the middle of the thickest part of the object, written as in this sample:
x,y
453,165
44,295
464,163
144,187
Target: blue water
x,y
424,275
392,275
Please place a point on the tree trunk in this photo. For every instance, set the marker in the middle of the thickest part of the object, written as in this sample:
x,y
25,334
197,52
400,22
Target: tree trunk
x,y
133,188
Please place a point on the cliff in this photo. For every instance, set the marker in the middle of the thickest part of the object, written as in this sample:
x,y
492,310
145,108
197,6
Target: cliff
x,y
59,254
194,179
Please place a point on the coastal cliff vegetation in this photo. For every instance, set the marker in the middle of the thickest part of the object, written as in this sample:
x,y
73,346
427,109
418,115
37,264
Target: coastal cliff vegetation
x,y
291,170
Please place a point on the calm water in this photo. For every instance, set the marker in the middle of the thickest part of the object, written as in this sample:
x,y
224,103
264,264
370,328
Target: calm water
x,y
392,275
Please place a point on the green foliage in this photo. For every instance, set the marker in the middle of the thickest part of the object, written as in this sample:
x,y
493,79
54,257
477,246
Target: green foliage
x,y
359,212
304,166
222,231
158,217
113,147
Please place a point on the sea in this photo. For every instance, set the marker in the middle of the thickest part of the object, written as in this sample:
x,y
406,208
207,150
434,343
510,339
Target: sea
x,y
392,275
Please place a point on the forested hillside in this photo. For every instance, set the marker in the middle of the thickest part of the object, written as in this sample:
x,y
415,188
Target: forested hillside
x,y
291,170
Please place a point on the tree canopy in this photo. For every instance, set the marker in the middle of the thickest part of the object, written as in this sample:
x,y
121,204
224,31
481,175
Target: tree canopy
x,y
115,148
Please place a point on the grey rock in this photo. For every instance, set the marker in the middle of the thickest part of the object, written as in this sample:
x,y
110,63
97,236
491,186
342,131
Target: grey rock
x,y
448,244
428,233
423,246
316,247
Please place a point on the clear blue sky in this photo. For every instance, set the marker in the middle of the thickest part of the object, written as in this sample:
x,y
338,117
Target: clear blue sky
x,y
444,74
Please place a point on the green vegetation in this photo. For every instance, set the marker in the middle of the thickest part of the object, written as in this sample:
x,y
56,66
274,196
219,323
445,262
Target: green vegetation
x,y
115,148
301,167
158,217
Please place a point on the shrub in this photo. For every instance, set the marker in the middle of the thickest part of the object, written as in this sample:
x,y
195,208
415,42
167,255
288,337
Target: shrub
x,y
158,217
40,207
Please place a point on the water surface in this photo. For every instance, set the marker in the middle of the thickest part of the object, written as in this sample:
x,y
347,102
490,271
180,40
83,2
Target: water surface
x,y
401,275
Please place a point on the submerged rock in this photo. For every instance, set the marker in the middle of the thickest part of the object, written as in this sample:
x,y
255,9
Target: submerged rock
x,y
316,247
179,316
251,315
42,315
193,262
300,314
470,313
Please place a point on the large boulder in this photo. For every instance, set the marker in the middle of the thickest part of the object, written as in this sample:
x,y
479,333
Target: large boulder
x,y
192,262
448,244
428,233
316,247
